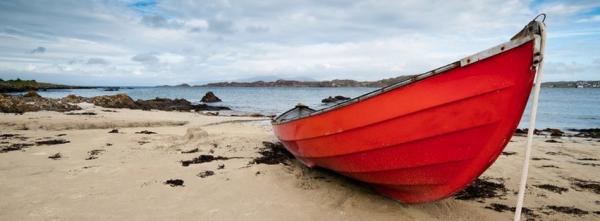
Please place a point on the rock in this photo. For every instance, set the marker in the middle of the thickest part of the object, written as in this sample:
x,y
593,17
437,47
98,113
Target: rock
x,y
554,132
331,99
210,97
165,104
31,94
71,98
114,101
111,89
341,98
590,132
21,104
205,107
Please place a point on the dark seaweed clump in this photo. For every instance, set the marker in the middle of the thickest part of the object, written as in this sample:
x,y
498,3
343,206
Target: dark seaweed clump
x,y
508,153
502,208
55,156
586,185
83,113
14,147
552,188
482,189
203,159
539,158
145,132
52,142
568,210
273,153
174,182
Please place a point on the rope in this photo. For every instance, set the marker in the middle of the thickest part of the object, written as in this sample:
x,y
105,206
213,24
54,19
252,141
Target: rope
x,y
534,106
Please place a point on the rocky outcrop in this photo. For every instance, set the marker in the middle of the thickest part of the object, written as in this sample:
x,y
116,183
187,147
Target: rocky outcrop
x,y
21,104
210,97
165,104
331,99
71,98
206,107
31,94
114,101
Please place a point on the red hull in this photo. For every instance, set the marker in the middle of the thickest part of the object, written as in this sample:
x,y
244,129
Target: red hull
x,y
425,140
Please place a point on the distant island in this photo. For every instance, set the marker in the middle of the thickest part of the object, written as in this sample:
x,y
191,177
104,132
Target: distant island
x,y
377,84
19,85
293,83
572,84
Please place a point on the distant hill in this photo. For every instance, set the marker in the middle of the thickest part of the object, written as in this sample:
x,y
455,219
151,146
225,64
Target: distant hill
x,y
294,83
272,78
572,84
19,85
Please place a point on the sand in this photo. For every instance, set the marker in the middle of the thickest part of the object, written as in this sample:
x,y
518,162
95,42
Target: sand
x,y
96,175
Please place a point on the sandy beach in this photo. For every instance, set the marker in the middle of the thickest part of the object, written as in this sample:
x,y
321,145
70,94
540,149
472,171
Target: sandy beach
x,y
74,166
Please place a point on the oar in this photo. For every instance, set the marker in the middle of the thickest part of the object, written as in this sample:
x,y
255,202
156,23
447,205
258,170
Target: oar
x,y
530,132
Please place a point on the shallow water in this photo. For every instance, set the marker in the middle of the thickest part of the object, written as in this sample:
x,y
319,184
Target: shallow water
x,y
559,107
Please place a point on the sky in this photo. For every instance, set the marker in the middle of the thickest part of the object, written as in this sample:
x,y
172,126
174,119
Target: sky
x,y
151,42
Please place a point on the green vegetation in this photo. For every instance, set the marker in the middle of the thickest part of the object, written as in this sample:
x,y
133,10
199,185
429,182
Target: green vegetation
x,y
19,85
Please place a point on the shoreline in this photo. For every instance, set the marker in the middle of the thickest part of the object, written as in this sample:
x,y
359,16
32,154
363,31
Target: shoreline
x,y
72,102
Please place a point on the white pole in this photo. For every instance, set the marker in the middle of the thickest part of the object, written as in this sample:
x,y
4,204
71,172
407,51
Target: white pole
x,y
534,106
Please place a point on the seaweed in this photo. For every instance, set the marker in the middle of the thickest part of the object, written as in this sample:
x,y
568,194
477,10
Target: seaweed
x,y
589,185
273,153
145,132
508,153
568,210
552,188
52,142
14,147
55,156
174,182
482,189
203,159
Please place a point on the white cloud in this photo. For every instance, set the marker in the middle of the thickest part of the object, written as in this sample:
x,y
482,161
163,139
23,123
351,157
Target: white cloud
x,y
367,40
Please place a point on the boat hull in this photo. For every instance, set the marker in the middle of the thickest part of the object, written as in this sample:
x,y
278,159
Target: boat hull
x,y
426,140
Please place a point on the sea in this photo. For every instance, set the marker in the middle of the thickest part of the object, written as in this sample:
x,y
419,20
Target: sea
x,y
564,108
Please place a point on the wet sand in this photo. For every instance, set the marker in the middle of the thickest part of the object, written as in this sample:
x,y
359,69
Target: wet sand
x,y
57,166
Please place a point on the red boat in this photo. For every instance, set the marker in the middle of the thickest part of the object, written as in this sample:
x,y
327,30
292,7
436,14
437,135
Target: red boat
x,y
428,137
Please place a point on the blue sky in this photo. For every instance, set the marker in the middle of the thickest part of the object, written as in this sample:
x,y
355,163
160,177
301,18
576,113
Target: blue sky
x,y
170,42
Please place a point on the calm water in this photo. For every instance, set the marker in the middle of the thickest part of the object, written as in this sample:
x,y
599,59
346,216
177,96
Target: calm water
x,y
559,107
